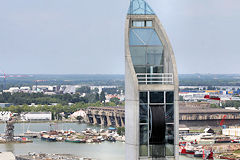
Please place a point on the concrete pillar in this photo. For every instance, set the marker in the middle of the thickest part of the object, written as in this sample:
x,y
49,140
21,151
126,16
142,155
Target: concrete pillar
x,y
123,125
109,123
94,119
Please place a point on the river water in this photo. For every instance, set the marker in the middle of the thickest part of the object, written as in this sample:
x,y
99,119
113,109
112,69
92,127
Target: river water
x,y
102,151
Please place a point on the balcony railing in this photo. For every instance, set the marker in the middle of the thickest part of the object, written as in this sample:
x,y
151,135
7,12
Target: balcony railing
x,y
155,78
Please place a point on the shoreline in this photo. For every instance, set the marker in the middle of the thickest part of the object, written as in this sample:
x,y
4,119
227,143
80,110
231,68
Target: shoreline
x,y
53,121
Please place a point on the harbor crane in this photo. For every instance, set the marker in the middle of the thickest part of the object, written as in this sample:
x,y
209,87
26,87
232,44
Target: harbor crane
x,y
5,76
37,81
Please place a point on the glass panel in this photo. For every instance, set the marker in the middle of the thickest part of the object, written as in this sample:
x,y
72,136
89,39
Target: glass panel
x,y
143,116
133,39
144,36
139,7
154,55
169,113
138,55
140,69
169,97
170,140
143,96
138,24
143,149
157,151
169,150
153,59
143,140
148,23
156,97
155,69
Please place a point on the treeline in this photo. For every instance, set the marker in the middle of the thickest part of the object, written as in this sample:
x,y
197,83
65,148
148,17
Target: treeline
x,y
97,80
40,98
63,99
229,103
56,110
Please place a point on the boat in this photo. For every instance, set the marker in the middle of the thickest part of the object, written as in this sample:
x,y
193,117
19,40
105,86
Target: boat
x,y
48,138
111,139
186,148
75,140
223,139
236,141
32,134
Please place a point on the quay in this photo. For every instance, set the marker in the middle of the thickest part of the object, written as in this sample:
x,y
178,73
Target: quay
x,y
44,156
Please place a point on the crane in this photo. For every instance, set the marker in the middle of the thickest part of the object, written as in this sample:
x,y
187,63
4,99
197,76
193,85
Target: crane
x,y
5,76
223,119
39,81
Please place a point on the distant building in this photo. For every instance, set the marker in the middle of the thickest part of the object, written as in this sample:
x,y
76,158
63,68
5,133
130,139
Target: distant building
x,y
231,131
209,130
100,88
6,104
50,93
36,116
25,89
5,115
12,90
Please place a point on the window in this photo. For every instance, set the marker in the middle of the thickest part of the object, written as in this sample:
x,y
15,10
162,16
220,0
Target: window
x,y
156,97
143,96
169,97
143,116
169,114
141,23
156,124
138,24
148,23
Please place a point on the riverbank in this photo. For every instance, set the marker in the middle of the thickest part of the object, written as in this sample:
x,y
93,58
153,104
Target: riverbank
x,y
52,121
45,156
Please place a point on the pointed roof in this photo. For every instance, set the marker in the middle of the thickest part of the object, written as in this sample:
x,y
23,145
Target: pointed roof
x,y
139,7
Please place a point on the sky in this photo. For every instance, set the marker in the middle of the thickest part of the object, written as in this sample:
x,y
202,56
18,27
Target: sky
x,y
87,36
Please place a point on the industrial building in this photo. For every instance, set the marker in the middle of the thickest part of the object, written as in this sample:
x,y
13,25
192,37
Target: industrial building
x,y
36,116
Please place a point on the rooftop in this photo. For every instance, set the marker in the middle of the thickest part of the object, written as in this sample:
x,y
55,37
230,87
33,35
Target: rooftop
x,y
139,7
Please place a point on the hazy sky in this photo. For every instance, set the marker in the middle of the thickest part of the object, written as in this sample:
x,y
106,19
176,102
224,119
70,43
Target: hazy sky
x,y
87,36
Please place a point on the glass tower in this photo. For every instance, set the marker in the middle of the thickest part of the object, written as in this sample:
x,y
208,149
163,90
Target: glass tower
x,y
151,85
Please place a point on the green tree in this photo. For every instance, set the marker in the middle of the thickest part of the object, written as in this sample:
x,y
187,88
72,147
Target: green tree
x,y
84,89
121,131
115,100
102,97
97,97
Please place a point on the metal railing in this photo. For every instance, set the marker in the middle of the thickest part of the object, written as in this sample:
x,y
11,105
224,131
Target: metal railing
x,y
155,78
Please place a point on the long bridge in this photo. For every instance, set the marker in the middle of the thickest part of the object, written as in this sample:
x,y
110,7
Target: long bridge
x,y
191,114
107,116
208,116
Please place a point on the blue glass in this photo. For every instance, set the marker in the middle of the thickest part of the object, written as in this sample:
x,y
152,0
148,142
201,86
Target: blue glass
x,y
138,24
143,36
138,55
139,7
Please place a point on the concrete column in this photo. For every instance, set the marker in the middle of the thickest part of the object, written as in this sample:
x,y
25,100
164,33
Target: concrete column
x,y
123,125
109,123
94,119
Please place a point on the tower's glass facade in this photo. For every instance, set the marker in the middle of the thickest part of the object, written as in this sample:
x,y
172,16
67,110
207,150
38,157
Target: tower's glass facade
x,y
156,123
151,87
